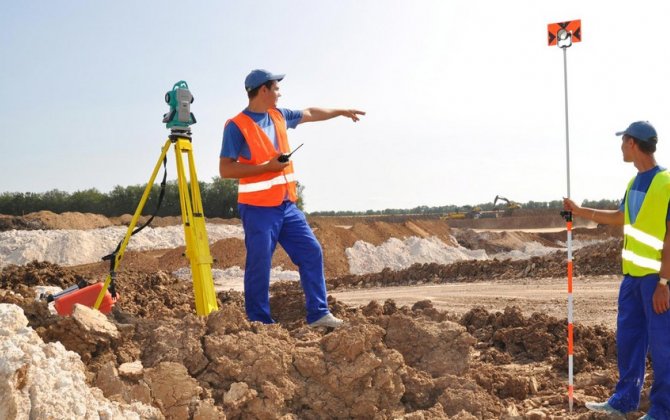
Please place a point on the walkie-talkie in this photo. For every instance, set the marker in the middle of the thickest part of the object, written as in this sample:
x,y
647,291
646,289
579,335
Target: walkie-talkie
x,y
283,158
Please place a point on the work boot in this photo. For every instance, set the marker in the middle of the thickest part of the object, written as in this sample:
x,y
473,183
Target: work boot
x,y
604,407
327,320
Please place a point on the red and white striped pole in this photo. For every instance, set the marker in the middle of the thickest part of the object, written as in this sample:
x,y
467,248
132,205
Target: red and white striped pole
x,y
563,34
571,385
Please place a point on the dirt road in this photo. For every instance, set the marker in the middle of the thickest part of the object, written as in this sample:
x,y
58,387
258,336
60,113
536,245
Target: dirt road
x,y
595,297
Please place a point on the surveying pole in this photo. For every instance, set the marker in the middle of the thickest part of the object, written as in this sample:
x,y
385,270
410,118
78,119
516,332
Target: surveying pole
x,y
563,34
178,120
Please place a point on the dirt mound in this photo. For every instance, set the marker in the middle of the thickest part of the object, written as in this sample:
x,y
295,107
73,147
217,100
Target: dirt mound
x,y
19,223
335,238
520,219
496,242
597,259
538,338
163,221
68,220
225,253
125,220
377,232
387,362
584,234
601,258
47,220
37,274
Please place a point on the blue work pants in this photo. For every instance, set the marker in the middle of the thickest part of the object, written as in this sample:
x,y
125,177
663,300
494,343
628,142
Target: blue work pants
x,y
639,330
286,224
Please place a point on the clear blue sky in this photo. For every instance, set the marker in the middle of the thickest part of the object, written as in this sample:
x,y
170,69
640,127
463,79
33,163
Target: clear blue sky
x,y
464,99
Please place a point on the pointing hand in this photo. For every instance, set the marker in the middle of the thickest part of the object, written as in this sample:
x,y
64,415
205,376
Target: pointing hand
x,y
352,113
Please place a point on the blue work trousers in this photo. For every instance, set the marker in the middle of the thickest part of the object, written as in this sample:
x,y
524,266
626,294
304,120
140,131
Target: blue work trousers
x,y
286,224
639,330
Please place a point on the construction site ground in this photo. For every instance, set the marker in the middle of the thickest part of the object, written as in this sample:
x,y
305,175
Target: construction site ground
x,y
444,319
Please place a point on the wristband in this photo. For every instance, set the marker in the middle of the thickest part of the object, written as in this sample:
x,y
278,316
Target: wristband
x,y
663,281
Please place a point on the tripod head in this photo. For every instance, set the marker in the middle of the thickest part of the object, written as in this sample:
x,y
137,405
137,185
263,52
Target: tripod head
x,y
180,100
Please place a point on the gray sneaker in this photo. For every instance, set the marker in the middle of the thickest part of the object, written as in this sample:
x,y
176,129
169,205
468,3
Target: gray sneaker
x,y
327,320
604,407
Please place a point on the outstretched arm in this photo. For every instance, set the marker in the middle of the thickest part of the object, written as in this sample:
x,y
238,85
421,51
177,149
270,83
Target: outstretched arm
x,y
608,217
322,114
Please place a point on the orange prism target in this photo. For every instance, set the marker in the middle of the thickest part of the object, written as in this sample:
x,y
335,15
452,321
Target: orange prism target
x,y
572,26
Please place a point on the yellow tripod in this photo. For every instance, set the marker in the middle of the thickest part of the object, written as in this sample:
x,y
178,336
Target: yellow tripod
x,y
193,219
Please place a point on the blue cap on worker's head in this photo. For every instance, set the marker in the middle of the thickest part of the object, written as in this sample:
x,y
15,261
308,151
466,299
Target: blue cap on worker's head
x,y
641,130
258,77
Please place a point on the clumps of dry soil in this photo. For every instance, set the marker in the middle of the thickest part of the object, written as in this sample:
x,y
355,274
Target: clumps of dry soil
x,y
37,273
538,338
387,362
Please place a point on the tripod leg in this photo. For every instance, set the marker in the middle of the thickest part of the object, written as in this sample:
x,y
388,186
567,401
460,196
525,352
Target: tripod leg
x,y
133,223
197,243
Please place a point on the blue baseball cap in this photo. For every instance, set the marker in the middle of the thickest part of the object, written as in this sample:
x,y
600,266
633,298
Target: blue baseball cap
x,y
258,77
641,130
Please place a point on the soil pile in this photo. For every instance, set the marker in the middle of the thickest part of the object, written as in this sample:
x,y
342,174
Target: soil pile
x,y
19,223
396,254
74,247
496,242
48,220
336,238
597,259
387,362
362,247
538,338
68,220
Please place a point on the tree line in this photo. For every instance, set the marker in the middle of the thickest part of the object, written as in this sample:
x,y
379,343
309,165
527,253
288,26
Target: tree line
x,y
219,199
451,208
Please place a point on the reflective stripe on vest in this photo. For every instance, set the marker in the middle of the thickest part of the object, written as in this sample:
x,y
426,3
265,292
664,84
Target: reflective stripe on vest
x,y
266,185
641,261
643,240
271,188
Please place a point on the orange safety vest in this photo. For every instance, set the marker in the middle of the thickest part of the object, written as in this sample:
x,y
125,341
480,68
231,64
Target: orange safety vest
x,y
268,189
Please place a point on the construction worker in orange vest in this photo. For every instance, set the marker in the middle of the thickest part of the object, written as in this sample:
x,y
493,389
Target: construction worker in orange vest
x,y
253,142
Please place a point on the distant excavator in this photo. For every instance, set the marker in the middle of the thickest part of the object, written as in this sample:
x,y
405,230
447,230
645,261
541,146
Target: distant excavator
x,y
477,213
509,206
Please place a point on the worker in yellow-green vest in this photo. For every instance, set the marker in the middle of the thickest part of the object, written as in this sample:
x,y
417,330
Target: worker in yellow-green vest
x,y
643,321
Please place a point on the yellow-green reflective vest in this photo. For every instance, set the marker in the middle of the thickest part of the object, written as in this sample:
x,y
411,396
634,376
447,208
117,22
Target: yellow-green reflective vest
x,y
643,240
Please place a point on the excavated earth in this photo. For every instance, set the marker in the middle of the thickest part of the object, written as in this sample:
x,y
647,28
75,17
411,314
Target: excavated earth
x,y
389,361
